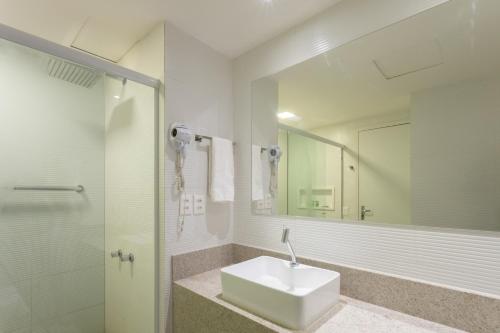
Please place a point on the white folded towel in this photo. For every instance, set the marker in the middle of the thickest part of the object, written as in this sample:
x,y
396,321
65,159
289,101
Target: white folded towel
x,y
257,175
221,170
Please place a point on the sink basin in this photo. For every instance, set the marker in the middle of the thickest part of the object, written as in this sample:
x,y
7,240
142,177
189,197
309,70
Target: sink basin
x,y
293,297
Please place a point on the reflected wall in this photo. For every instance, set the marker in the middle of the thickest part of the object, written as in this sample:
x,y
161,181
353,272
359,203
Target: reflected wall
x,y
414,107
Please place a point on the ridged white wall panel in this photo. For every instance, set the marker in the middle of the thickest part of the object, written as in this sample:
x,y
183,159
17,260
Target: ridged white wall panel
x,y
464,260
198,93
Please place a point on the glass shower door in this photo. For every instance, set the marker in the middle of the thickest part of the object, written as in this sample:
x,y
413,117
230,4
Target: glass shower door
x,y
77,182
314,171
51,234
130,206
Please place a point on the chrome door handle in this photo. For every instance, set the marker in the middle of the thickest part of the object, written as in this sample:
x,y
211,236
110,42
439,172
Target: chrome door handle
x,y
364,210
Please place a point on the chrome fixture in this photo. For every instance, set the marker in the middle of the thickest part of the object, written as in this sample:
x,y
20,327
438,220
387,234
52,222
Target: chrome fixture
x,y
72,73
117,254
128,257
77,188
123,257
200,138
285,240
364,212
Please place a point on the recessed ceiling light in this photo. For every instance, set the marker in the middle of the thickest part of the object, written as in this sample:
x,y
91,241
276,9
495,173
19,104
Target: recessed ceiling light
x,y
116,97
286,115
268,4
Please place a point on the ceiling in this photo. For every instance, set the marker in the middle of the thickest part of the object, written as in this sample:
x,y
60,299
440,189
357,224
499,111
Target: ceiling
x,y
379,73
109,28
233,27
105,28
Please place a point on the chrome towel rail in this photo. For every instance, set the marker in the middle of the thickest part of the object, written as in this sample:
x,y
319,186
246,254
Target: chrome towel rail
x,y
77,188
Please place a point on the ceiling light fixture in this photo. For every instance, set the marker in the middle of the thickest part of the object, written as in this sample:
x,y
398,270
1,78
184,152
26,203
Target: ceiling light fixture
x,y
286,115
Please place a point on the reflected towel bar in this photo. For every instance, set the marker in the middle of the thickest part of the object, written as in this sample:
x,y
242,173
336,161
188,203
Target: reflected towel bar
x,y
78,188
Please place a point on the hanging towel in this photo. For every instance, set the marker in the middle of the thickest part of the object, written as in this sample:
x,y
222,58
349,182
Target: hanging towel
x,y
221,170
257,176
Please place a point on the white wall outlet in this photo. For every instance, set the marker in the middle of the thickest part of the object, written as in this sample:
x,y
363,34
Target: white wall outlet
x,y
259,205
268,202
199,204
187,204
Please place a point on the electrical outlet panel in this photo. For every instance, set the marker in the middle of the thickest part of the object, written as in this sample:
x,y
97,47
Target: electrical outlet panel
x,y
268,202
260,205
187,204
199,204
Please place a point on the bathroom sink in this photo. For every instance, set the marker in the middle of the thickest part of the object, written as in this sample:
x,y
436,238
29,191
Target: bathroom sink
x,y
291,296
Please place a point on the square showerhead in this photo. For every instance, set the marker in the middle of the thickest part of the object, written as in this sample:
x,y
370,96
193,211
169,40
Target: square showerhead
x,y
72,73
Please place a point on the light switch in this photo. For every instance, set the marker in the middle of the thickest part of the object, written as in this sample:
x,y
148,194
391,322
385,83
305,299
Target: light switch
x,y
187,204
199,204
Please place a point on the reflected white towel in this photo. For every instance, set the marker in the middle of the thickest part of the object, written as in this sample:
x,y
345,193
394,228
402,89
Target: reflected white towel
x,y
257,176
221,170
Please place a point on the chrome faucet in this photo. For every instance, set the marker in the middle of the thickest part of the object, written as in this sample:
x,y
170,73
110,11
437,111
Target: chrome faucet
x,y
285,240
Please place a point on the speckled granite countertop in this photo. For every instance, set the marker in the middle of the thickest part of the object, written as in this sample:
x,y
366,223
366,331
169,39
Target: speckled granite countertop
x,y
349,316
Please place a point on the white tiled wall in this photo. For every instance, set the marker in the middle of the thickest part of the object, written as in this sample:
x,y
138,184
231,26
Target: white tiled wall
x,y
463,260
198,93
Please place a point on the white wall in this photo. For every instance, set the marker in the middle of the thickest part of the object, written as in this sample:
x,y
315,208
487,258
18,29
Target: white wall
x,y
463,260
455,155
51,244
198,93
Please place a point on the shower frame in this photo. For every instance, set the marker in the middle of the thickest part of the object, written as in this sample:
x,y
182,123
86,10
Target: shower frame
x,y
121,73
318,138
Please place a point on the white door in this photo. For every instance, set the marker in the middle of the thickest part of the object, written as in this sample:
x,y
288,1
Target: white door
x,y
384,174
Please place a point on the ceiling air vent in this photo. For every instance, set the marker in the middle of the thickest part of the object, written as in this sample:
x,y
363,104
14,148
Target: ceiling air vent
x,y
410,60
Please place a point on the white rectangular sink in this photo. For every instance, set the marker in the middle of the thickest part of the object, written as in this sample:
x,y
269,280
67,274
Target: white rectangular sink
x,y
293,297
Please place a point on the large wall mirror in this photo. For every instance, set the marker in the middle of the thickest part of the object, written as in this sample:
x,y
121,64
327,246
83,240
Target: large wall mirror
x,y
401,126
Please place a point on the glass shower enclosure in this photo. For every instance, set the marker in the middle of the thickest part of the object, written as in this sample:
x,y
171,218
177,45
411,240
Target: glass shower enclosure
x,y
310,175
78,182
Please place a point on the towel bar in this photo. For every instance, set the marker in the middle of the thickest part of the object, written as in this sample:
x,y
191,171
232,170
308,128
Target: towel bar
x,y
78,188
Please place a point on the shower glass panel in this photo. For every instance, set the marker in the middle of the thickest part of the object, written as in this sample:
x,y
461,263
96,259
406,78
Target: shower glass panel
x,y
314,174
77,154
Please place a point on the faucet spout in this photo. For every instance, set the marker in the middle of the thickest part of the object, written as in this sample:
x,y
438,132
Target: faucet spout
x,y
285,240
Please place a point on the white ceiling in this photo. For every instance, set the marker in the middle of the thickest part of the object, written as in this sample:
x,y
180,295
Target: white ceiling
x,y
109,28
106,28
233,27
447,44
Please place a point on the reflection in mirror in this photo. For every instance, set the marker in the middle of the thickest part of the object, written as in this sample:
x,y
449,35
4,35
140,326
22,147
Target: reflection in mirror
x,y
401,126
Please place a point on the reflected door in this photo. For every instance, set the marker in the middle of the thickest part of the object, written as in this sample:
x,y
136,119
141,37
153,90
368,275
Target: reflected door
x,y
384,174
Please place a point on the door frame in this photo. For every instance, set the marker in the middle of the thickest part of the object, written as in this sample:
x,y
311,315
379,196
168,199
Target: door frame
x,y
367,129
